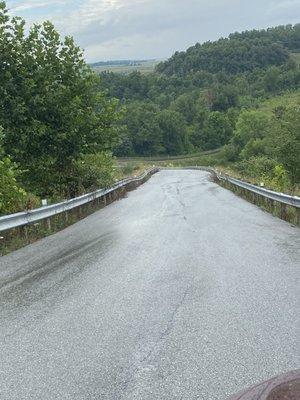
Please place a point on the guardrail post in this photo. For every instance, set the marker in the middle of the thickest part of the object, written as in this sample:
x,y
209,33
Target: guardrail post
x,y
25,229
48,224
271,205
283,213
298,216
24,232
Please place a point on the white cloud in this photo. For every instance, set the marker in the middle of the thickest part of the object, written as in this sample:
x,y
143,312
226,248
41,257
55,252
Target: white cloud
x,y
109,29
34,4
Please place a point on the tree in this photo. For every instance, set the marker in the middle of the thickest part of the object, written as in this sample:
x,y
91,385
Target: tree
x,y
12,195
142,129
250,125
284,141
217,131
50,105
186,105
174,131
255,147
271,79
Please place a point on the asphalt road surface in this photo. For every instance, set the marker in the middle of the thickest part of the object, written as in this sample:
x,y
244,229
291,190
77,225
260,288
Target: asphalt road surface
x,y
182,290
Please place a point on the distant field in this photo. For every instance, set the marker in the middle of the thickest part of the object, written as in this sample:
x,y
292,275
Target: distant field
x,y
145,67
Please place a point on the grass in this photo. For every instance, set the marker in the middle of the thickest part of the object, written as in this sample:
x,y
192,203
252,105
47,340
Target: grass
x,y
167,158
129,169
289,98
210,158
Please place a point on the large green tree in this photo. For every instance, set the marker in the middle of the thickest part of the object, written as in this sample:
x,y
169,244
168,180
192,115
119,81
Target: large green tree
x,y
217,131
142,134
175,136
50,107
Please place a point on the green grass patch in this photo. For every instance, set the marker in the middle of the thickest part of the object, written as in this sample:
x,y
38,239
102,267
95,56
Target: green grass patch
x,y
286,99
165,158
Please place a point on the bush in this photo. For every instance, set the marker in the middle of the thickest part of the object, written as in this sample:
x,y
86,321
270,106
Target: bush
x,y
257,167
94,171
254,148
230,152
12,196
266,170
280,180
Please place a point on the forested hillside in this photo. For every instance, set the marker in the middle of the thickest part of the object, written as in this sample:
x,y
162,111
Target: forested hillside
x,y
241,52
210,96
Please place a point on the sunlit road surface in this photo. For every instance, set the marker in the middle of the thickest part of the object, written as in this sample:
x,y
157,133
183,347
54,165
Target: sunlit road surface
x,y
182,290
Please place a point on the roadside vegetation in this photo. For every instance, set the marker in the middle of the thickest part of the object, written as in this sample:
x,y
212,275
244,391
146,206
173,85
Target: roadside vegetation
x,y
58,128
233,103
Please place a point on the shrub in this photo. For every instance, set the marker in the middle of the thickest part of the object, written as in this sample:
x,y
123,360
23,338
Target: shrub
x,y
257,167
12,196
94,171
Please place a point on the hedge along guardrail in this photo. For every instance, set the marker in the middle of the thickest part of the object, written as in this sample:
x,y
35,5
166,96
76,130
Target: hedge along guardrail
x,y
258,195
17,230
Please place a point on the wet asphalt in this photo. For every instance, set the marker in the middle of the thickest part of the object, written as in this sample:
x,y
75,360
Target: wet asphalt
x,y
182,290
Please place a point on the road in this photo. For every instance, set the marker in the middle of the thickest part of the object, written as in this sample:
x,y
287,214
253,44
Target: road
x,y
182,290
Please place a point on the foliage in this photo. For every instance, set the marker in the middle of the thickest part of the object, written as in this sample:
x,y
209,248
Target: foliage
x,y
143,134
257,167
241,52
217,130
233,55
269,147
198,91
62,122
172,124
50,105
265,170
94,171
251,125
284,141
12,196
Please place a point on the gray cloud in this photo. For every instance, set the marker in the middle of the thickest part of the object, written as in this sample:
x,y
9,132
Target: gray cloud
x,y
111,29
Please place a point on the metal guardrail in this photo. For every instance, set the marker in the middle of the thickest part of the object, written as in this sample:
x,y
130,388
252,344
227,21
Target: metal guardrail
x,y
293,201
282,198
31,216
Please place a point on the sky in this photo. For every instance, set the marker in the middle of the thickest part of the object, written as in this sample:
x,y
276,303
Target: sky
x,y
148,29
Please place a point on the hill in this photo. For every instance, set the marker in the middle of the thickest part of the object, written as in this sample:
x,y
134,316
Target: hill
x,y
240,52
239,93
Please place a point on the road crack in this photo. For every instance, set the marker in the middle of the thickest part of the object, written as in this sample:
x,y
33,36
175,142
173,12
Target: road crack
x,y
149,363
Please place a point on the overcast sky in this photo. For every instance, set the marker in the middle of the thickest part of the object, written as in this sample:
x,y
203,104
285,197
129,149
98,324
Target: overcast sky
x,y
142,29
